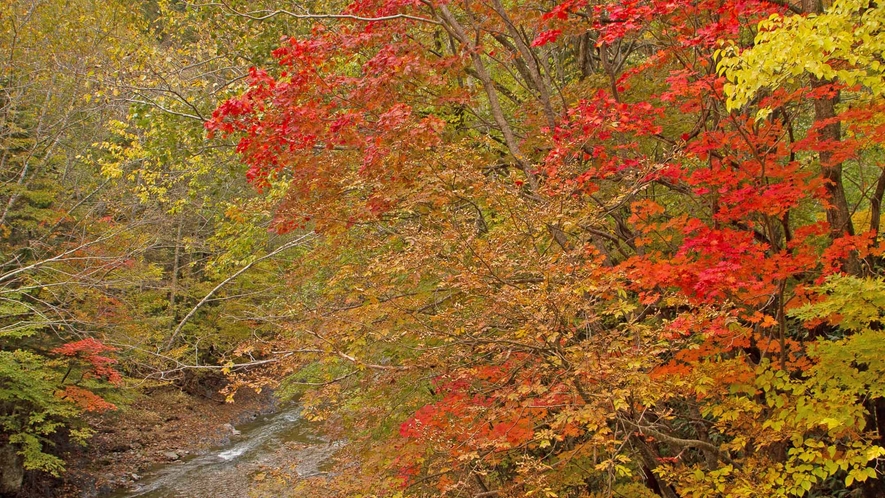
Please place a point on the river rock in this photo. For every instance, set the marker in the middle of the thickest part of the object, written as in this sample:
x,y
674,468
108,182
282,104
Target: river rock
x,y
230,429
12,470
171,455
120,447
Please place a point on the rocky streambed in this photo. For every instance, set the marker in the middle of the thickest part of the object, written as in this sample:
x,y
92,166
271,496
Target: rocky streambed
x,y
262,457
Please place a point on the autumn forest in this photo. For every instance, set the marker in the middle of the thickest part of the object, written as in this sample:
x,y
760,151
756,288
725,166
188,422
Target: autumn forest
x,y
502,248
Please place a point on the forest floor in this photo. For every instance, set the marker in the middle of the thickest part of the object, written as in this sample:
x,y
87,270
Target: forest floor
x,y
156,428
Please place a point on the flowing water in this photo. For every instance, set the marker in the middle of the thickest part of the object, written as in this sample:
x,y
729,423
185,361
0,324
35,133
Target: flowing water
x,y
279,444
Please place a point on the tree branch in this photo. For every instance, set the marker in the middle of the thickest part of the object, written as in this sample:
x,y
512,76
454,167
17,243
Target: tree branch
x,y
351,17
675,441
208,297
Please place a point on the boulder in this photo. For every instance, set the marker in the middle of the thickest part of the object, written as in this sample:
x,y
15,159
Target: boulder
x,y
12,470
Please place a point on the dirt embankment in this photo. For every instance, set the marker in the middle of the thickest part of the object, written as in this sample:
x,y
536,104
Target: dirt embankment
x,y
158,427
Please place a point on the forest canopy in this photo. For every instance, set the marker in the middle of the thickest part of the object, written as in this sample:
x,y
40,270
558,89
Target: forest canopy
x,y
588,248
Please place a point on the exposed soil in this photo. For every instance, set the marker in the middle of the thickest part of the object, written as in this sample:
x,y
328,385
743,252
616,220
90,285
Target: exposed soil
x,y
162,426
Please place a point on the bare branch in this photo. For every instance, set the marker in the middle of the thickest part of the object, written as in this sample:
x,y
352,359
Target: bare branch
x,y
61,256
165,109
269,14
675,441
180,366
288,245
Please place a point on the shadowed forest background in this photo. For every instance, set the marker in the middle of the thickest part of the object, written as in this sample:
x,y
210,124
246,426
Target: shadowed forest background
x,y
502,248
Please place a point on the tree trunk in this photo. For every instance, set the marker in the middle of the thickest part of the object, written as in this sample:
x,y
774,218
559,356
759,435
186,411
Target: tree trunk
x,y
176,263
650,463
838,211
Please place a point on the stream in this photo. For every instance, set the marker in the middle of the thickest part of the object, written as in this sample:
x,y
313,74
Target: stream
x,y
281,445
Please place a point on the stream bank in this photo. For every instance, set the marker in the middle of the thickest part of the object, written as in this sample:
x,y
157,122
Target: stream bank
x,y
170,444
263,458
160,427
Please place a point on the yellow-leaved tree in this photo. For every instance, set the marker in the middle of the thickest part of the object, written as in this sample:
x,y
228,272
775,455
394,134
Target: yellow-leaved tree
x,y
844,43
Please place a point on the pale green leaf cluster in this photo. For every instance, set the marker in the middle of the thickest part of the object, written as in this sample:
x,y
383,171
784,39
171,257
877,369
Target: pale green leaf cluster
x,y
858,301
844,44
12,311
853,364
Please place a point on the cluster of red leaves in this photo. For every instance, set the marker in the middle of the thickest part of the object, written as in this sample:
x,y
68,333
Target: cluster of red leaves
x,y
316,104
589,135
89,351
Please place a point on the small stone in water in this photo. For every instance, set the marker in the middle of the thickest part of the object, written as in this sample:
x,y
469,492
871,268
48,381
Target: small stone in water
x,y
229,428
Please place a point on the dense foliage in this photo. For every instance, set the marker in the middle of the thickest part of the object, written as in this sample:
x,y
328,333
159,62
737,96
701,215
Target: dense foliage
x,y
567,246
123,233
589,248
